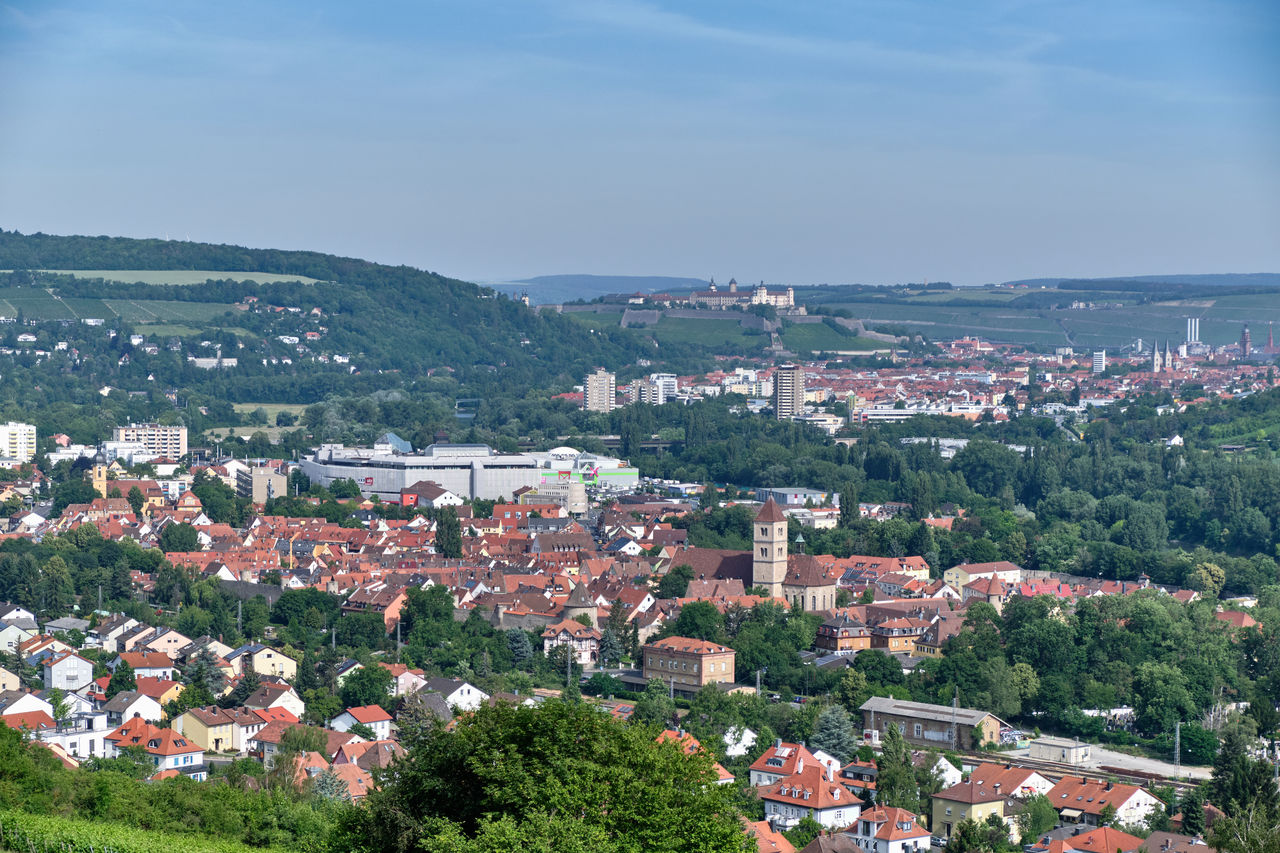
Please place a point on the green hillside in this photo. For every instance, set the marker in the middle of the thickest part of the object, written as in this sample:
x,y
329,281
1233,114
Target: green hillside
x,y
384,320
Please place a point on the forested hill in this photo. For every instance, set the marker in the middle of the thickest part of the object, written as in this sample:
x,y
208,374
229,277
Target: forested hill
x,y
390,319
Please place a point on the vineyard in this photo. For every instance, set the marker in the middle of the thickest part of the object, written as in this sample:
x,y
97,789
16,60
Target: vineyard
x,y
28,833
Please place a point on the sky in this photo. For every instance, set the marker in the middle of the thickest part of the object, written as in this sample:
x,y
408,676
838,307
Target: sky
x,y
796,141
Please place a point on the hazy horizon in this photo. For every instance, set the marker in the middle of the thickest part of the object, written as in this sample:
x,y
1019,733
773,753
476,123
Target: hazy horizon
x,y
800,142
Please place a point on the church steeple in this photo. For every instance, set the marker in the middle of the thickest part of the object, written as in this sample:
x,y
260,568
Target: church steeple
x,y
769,557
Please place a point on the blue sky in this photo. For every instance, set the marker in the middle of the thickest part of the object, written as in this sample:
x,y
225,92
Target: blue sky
x,y
801,141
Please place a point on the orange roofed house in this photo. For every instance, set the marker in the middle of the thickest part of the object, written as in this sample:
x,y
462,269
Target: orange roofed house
x,y
687,664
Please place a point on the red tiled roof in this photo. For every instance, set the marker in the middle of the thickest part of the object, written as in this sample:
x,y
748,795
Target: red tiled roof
x,y
369,714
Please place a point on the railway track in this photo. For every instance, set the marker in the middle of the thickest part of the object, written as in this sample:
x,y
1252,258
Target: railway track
x,y
1055,770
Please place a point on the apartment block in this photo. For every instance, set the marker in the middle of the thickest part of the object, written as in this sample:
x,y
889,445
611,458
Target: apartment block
x,y
168,441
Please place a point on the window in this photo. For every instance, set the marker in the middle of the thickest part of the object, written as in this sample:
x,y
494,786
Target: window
x,y
764,552
917,728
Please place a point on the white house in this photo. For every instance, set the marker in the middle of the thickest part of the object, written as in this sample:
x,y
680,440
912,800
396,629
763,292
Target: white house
x,y
127,704
889,830
13,702
460,695
67,671
813,792
82,736
738,740
11,636
372,716
144,664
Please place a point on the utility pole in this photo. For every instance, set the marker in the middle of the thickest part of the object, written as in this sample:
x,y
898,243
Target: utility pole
x,y
1177,749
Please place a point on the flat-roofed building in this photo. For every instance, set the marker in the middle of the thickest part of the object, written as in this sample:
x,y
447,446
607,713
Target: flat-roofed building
x,y
600,391
160,439
788,391
17,442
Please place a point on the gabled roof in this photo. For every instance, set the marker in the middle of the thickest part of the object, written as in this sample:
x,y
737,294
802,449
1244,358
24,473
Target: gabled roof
x,y
369,714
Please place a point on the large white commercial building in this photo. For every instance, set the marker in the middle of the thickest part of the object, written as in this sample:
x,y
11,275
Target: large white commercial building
x,y
467,470
17,442
160,439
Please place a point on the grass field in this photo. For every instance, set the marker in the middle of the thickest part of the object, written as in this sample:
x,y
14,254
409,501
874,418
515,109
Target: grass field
x,y
687,330
272,409
819,337
183,277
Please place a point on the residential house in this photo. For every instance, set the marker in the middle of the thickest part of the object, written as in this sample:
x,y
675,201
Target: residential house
x,y
959,576
403,679
581,640
778,762
275,695
212,728
8,681
767,839
12,636
966,801
263,660
813,792
67,671
459,695
1080,800
842,635
889,830
1009,781
107,633
689,745
373,716
144,664
128,704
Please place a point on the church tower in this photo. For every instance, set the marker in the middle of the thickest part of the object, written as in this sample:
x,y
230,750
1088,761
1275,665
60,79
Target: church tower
x,y
769,559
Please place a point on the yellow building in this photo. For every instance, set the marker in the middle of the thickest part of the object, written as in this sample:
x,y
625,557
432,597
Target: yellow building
x,y
966,801
212,728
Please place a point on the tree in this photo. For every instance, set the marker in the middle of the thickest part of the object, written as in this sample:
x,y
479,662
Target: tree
x,y
610,648
1193,813
570,779
803,832
122,679
1239,781
851,692
1107,817
328,784
1253,830
248,685
699,620
363,731
833,733
655,705
849,512
448,533
521,648
179,538
675,583
370,685
137,500
1208,578
1037,816
57,697
896,778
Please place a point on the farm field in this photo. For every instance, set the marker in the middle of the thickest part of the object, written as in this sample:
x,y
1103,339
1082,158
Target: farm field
x,y
182,277
819,337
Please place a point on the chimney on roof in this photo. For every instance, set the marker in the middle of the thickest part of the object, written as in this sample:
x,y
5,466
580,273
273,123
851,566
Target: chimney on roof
x,y
777,743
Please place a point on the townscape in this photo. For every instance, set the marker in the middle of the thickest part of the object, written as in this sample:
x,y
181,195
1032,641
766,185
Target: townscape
x,y
638,426
868,656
